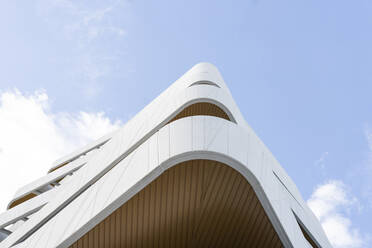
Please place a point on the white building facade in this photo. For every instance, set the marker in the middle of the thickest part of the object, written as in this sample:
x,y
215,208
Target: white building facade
x,y
186,171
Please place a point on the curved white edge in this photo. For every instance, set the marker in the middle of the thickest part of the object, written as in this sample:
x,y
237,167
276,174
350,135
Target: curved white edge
x,y
197,137
204,82
134,132
76,154
51,177
47,227
205,72
25,209
200,72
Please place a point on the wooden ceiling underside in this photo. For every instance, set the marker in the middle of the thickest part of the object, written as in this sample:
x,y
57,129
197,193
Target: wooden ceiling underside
x,y
21,200
201,108
198,203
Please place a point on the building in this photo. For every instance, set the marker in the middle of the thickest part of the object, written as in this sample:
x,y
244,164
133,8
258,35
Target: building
x,y
186,171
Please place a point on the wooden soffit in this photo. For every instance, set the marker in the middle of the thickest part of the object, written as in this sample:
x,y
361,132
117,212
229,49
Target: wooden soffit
x,y
198,203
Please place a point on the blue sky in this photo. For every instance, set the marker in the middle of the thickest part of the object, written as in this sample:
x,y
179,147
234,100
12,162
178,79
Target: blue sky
x,y
300,71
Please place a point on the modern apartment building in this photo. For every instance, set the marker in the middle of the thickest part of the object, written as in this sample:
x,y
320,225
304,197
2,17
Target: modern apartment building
x,y
186,171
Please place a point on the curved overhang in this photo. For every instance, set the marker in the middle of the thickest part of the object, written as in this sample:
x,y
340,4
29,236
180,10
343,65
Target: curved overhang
x,y
195,203
197,94
197,137
126,140
214,107
204,71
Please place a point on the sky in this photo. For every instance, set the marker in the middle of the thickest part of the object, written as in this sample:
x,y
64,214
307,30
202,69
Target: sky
x,y
300,72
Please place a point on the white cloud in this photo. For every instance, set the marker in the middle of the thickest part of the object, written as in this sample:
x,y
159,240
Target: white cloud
x,y
83,22
96,15
331,203
94,31
32,137
321,161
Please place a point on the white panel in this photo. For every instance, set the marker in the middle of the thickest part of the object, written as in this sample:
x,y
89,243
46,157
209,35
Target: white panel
x,y
153,152
198,123
180,136
254,157
25,208
16,225
216,134
238,143
266,177
163,143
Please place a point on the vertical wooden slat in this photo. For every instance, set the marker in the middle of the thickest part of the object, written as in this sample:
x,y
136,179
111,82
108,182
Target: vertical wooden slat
x,y
186,205
181,205
265,230
212,191
107,232
152,223
135,221
124,232
146,217
112,232
80,243
90,238
86,241
163,216
223,210
157,206
256,225
139,231
117,227
249,213
224,224
236,217
102,234
96,237
173,208
212,205
129,223
220,202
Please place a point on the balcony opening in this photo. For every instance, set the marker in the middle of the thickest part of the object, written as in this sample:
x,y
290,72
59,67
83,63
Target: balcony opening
x,y
21,200
311,242
202,108
205,82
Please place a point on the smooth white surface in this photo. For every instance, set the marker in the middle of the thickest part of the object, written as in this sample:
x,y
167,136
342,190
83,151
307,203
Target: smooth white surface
x,y
52,177
76,154
25,209
139,152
